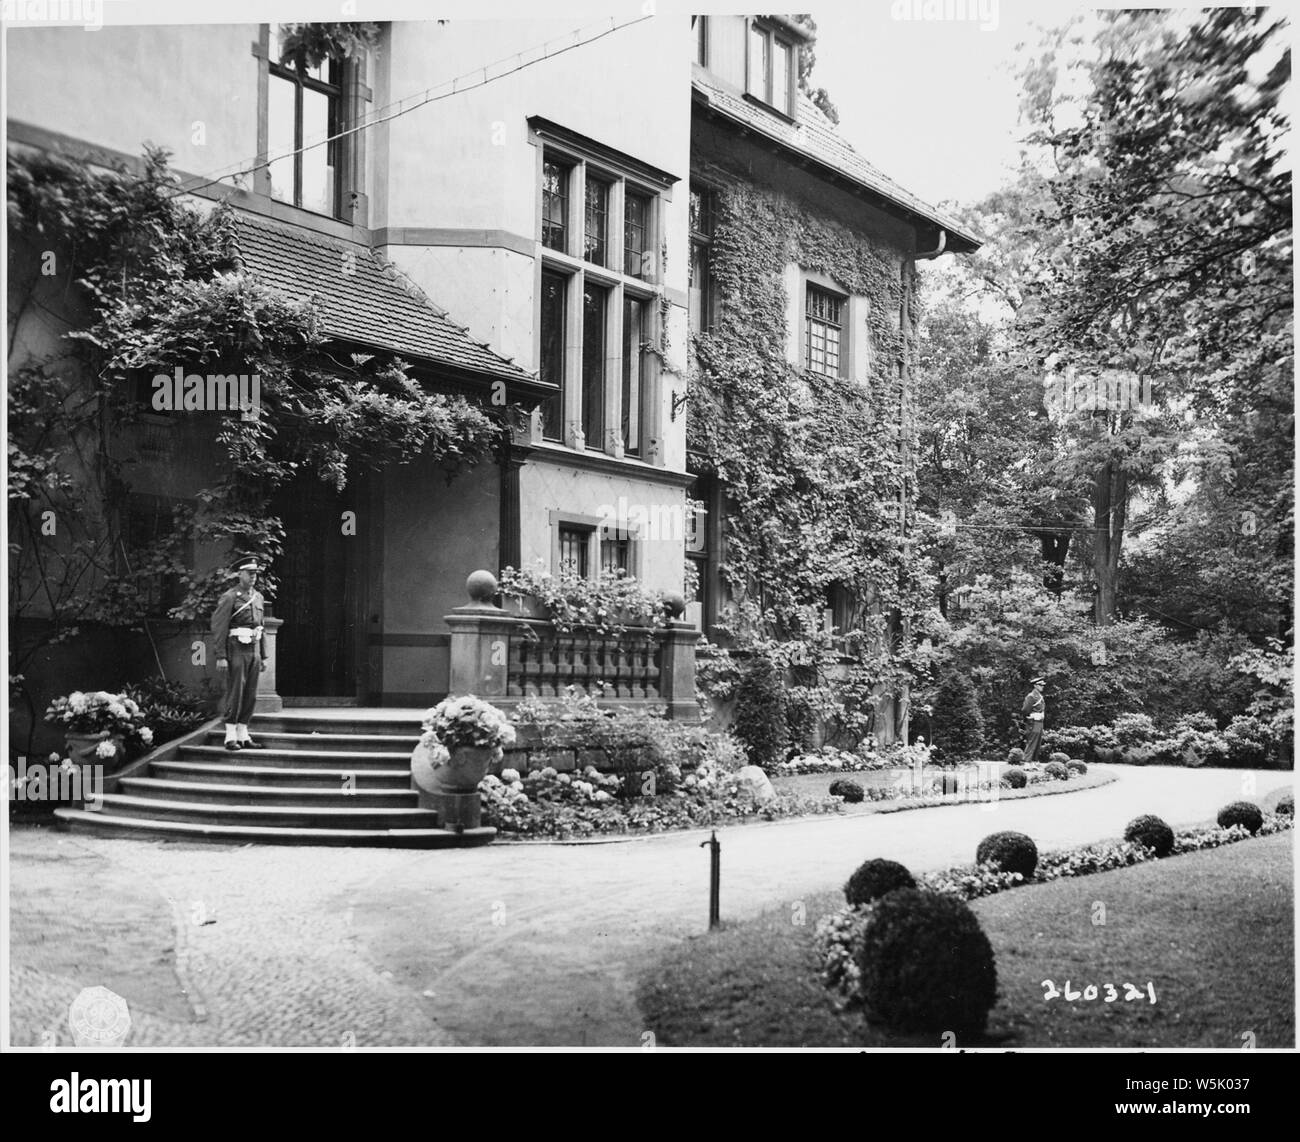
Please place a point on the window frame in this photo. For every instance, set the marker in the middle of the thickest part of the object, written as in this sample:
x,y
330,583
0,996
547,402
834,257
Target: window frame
x,y
841,326
702,240
771,36
597,532
620,180
346,92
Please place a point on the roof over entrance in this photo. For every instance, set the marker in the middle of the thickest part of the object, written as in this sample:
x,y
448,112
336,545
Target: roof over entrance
x,y
365,299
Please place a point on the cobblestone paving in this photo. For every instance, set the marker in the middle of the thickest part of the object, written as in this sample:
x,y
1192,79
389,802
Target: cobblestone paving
x,y
255,941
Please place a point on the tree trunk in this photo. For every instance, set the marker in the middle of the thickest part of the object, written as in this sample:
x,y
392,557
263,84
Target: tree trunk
x,y
1109,510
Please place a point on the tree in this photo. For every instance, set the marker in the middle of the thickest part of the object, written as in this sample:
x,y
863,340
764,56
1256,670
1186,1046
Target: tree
x,y
958,724
807,61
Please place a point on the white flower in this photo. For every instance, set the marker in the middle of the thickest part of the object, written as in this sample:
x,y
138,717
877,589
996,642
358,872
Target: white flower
x,y
106,749
602,796
549,771
517,785
510,776
146,735
54,757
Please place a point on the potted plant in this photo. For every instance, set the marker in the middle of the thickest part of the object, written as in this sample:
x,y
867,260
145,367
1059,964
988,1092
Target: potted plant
x,y
99,725
462,738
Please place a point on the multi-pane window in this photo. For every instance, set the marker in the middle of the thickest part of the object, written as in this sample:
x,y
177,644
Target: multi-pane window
x,y
597,221
304,108
590,304
574,551
701,285
636,236
594,302
555,205
771,68
634,309
551,360
824,324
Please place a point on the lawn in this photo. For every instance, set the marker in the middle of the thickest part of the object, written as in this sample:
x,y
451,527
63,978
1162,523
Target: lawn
x,y
1212,931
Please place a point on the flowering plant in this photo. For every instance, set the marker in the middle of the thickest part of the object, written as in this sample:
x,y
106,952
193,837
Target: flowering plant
x,y
466,721
610,603
99,712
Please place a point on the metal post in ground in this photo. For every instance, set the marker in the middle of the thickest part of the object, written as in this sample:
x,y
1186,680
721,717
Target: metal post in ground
x,y
715,877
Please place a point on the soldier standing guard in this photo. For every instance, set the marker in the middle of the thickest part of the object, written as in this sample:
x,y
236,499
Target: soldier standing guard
x,y
1034,708
239,650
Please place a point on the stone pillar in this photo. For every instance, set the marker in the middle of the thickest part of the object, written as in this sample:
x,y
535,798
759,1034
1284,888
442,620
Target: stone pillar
x,y
268,698
480,642
677,664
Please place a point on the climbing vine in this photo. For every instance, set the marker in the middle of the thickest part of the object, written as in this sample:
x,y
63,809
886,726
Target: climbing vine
x,y
144,283
812,467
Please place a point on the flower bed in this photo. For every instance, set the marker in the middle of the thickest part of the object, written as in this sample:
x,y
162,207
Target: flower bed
x,y
547,803
836,936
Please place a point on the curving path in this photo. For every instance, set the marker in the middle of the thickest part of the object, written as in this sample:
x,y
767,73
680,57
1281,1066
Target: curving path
x,y
514,944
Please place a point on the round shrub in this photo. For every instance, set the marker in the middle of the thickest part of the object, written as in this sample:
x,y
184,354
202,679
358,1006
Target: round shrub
x,y
851,791
1056,771
874,878
1074,765
1285,806
1151,832
926,964
1008,852
1241,813
1059,758
1015,756
1016,777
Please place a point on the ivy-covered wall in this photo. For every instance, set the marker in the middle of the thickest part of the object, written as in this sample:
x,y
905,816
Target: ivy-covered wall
x,y
813,468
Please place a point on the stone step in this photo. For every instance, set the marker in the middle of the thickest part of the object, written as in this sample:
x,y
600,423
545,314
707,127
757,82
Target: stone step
x,y
107,824
304,721
310,740
218,794
295,758
215,773
298,816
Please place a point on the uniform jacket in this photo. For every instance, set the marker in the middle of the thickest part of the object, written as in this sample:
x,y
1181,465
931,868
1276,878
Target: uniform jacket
x,y
237,608
1034,703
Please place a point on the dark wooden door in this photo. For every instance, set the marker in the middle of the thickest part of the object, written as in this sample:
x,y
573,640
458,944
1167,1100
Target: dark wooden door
x,y
318,593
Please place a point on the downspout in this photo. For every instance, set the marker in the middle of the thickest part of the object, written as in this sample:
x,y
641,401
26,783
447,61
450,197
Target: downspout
x,y
928,254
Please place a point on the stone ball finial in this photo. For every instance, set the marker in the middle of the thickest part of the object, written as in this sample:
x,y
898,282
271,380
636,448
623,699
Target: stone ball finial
x,y
674,604
482,586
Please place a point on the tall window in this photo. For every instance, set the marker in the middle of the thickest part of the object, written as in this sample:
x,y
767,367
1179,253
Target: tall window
x,y
615,554
771,68
633,372
594,302
636,236
824,323
555,205
701,286
304,107
597,225
551,364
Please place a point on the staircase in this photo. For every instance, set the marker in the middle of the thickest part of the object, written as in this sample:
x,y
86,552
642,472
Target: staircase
x,y
327,777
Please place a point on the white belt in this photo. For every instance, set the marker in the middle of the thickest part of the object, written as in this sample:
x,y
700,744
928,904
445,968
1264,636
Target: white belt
x,y
246,635
1035,717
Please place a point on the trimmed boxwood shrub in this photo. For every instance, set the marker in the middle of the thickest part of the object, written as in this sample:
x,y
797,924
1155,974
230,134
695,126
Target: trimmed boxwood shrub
x,y
1152,833
1074,765
1008,851
1057,771
1059,758
1285,805
760,719
1016,777
1241,813
874,878
851,791
926,964
1015,756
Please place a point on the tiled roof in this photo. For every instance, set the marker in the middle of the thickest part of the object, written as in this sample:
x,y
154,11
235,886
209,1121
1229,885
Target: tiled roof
x,y
363,297
813,136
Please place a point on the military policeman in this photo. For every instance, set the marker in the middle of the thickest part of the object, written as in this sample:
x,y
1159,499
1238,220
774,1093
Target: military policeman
x,y
1034,708
239,650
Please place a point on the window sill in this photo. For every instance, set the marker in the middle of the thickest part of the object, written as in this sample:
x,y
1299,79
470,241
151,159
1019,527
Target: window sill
x,y
770,109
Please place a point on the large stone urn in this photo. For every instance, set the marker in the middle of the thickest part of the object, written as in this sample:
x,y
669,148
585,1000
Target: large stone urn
x,y
450,789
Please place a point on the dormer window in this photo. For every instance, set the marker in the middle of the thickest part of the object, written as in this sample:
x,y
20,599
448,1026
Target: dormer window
x,y
770,74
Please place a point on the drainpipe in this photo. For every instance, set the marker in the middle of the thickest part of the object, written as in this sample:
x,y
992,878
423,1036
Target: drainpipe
x,y
943,242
